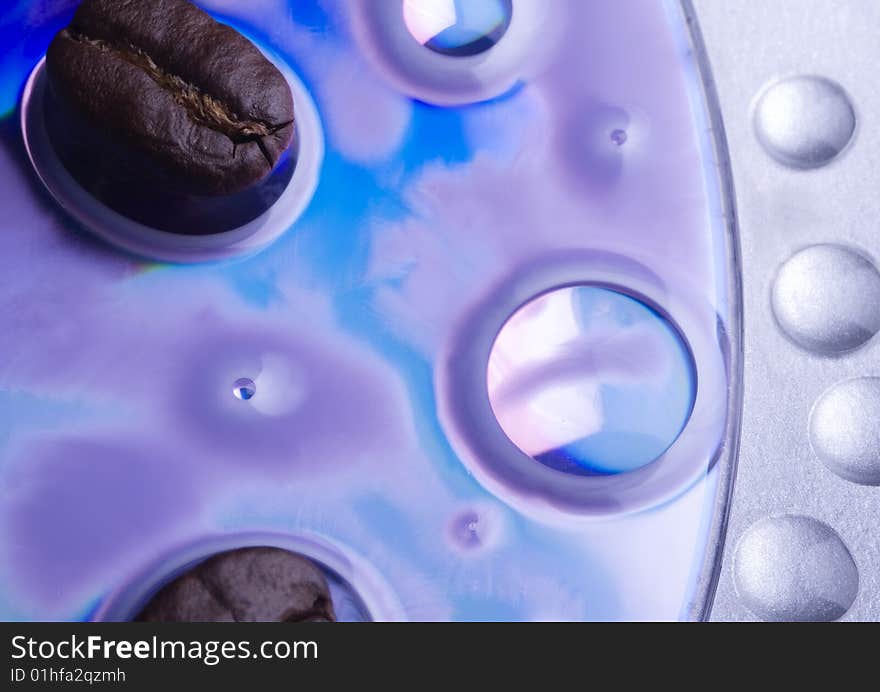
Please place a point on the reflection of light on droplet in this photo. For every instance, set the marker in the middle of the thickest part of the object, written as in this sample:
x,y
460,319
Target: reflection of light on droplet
x,y
458,27
590,381
244,389
618,137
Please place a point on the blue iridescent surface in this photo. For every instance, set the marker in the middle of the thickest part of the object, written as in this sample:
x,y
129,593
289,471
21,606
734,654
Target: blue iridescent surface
x,y
122,438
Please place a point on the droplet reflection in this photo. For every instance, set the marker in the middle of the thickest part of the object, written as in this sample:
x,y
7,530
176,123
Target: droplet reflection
x,y
590,381
458,28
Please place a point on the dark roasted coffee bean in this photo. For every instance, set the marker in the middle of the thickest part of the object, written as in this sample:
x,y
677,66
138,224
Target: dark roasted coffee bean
x,y
169,96
245,585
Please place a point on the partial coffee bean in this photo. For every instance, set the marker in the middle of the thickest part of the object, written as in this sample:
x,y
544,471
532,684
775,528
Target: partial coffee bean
x,y
245,585
159,93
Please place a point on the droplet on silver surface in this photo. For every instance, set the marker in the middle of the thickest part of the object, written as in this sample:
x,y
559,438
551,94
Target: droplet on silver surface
x,y
826,298
845,430
794,568
804,121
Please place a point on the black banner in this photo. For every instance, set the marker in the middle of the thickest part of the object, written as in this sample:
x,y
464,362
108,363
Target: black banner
x,y
275,656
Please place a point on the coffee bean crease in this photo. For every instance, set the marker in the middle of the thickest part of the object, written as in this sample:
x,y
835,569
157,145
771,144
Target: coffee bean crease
x,y
202,107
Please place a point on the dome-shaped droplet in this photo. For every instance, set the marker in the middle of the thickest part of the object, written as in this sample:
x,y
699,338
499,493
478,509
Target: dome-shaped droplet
x,y
244,389
845,430
794,568
826,298
805,121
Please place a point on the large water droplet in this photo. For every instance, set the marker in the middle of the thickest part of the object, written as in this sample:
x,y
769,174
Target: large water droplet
x,y
588,381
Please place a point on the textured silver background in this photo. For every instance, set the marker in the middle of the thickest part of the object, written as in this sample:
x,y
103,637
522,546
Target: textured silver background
x,y
781,210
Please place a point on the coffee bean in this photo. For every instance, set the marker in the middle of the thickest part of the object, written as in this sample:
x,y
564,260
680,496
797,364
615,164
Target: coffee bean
x,y
159,93
245,585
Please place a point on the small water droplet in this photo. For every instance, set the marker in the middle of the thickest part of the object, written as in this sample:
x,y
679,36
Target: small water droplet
x,y
244,389
618,136
466,530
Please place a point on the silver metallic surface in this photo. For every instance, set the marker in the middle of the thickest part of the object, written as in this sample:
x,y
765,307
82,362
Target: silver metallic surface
x,y
781,211
845,430
804,121
794,568
827,299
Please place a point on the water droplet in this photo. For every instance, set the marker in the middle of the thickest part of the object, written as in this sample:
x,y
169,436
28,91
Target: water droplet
x,y
826,298
589,381
844,430
475,529
794,568
458,28
465,529
618,136
244,389
805,121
